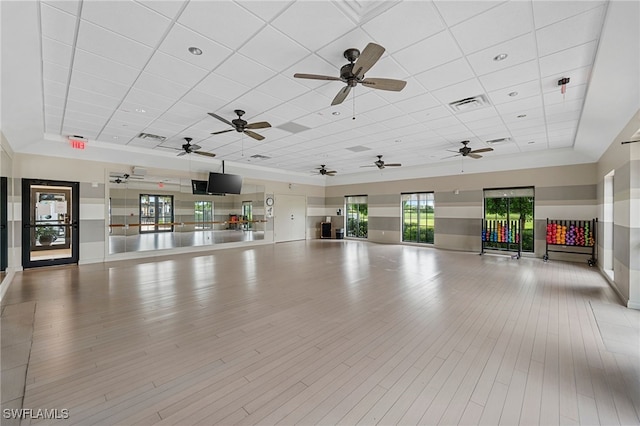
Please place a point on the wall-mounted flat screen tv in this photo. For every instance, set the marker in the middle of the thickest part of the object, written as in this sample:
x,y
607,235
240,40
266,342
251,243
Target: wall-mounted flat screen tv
x,y
199,187
222,183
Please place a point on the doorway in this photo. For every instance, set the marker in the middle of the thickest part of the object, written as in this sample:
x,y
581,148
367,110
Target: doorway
x,y
50,214
290,218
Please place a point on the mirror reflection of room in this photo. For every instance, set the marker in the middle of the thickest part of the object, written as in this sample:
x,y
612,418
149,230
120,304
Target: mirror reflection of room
x,y
155,213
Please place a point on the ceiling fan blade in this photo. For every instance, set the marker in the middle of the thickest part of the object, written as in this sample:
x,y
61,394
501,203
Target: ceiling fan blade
x,y
259,125
481,150
180,154
370,165
330,174
206,154
194,147
253,135
332,171
392,164
384,84
472,155
367,59
224,120
451,156
222,131
316,77
341,96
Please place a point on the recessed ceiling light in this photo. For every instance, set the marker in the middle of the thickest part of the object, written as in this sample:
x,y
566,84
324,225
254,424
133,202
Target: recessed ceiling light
x,y
335,113
115,137
500,57
195,51
140,110
398,140
522,115
512,94
531,142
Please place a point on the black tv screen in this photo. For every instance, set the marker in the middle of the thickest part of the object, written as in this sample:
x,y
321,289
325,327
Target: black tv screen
x,y
199,187
222,183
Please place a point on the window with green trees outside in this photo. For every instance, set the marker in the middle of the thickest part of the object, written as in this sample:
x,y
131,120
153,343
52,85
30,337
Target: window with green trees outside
x,y
417,217
357,216
512,204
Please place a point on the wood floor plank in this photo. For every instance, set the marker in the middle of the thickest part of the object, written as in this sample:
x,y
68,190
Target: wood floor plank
x,y
313,332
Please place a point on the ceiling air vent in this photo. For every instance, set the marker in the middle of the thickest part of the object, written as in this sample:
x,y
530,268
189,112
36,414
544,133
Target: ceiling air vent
x,y
499,140
468,104
152,137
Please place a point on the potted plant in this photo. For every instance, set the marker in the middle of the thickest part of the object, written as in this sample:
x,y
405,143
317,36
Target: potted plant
x,y
46,235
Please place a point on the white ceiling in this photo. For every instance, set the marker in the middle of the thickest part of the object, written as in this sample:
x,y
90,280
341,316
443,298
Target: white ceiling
x,y
101,63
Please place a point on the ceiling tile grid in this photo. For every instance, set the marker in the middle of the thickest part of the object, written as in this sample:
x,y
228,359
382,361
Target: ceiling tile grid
x,y
117,69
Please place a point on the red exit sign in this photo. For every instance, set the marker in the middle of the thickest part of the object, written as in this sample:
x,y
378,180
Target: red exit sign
x,y
77,142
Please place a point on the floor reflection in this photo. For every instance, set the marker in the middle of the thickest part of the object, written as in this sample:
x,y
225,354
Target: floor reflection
x,y
169,240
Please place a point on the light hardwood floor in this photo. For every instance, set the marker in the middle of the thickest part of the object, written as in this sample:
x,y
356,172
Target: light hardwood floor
x,y
321,332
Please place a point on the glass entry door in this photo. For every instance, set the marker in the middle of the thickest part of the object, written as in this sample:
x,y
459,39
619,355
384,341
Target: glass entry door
x,y
50,214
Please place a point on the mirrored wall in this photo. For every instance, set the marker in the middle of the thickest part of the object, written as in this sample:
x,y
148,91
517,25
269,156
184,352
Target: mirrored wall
x,y
156,213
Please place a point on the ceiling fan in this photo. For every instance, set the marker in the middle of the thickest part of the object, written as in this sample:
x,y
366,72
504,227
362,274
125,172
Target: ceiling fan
x,y
187,148
324,172
353,72
122,177
381,164
240,125
466,151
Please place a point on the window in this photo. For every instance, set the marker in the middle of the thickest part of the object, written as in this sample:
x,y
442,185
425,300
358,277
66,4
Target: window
x,y
417,217
247,214
203,214
511,204
156,213
357,216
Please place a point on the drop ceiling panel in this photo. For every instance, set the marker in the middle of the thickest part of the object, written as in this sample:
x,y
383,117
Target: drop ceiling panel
x,y
69,6
204,101
283,88
458,11
511,76
520,49
166,8
570,32
133,20
181,38
288,53
546,13
267,10
160,86
98,85
403,24
106,103
56,52
520,91
497,25
569,59
104,68
429,53
244,70
323,22
112,46
223,21
446,75
53,72
466,89
57,24
168,67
